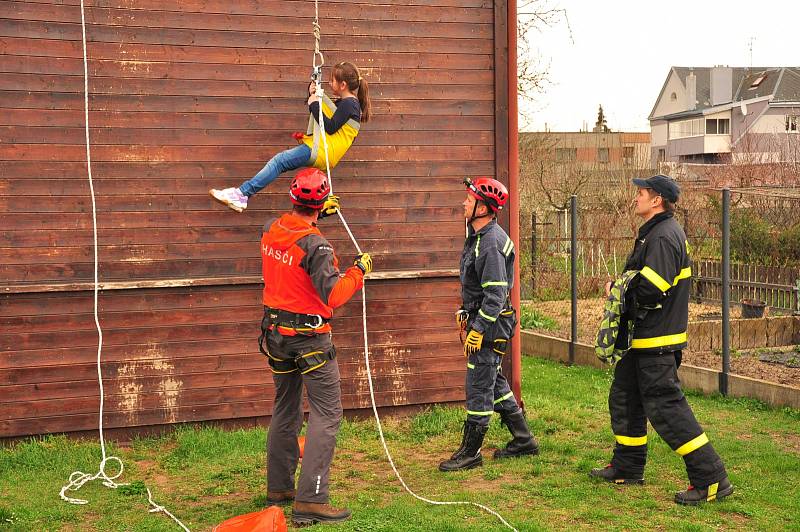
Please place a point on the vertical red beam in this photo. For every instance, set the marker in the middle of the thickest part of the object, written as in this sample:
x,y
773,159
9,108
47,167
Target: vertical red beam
x,y
513,181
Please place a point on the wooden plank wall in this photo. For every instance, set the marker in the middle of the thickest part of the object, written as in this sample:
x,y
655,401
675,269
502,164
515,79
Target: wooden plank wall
x,y
197,94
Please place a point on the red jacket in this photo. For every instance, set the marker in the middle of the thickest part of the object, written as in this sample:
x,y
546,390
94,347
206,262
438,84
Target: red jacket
x,y
301,271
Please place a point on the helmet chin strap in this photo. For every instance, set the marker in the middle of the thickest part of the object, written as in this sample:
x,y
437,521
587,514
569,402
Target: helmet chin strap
x,y
473,216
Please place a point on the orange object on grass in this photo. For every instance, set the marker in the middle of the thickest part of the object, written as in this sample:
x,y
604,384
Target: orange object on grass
x,y
301,441
268,520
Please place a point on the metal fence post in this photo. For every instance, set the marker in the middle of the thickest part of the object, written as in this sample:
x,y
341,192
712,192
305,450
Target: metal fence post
x,y
797,297
533,254
573,207
726,291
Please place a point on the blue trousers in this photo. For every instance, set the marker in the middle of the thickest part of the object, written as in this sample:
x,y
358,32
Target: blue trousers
x,y
284,161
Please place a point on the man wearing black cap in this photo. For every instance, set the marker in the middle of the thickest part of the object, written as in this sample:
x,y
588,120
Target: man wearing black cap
x,y
646,384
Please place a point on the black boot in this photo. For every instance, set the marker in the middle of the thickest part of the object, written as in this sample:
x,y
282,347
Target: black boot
x,y
694,496
469,454
523,442
612,474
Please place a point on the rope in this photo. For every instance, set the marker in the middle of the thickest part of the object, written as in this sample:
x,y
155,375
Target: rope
x,y
317,37
78,478
158,508
321,123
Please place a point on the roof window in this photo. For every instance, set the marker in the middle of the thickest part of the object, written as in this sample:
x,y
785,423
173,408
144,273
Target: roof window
x,y
757,81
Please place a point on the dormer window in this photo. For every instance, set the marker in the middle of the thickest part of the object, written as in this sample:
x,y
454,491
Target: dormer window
x,y
757,81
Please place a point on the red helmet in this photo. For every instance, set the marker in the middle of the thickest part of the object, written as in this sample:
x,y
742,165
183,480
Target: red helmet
x,y
490,191
309,188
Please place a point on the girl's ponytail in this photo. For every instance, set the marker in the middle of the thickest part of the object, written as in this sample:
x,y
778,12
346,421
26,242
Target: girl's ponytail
x,y
363,99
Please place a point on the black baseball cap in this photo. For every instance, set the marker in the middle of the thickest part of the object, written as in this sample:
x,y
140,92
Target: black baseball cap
x,y
665,186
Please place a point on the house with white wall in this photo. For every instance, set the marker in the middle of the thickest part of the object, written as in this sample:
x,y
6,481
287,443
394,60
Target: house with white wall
x,y
715,115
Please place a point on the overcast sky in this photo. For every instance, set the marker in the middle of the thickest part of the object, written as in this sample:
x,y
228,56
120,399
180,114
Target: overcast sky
x,y
623,50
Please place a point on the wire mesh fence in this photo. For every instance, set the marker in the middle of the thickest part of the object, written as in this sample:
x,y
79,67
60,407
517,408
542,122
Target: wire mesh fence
x,y
604,240
764,251
764,247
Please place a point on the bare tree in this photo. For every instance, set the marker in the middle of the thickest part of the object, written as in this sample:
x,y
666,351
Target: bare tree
x,y
533,70
757,160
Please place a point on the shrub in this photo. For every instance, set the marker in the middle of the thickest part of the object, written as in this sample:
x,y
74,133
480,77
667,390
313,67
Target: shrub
x,y
789,243
530,318
751,239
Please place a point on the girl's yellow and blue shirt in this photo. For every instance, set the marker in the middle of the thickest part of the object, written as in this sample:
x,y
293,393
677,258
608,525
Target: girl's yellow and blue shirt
x,y
342,124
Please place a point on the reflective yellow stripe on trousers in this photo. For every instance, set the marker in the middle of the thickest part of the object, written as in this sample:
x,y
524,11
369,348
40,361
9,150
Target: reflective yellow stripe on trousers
x,y
486,413
631,441
506,396
692,445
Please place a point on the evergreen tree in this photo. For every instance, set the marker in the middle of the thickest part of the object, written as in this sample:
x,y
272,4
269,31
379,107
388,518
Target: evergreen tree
x,y
600,126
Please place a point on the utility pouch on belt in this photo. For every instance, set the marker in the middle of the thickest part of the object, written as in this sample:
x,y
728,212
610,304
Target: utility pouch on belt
x,y
276,365
504,328
270,316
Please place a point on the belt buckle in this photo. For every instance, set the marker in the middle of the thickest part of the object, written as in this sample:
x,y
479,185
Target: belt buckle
x,y
319,322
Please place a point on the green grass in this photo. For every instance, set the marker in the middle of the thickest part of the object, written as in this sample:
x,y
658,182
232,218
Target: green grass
x,y
530,318
206,475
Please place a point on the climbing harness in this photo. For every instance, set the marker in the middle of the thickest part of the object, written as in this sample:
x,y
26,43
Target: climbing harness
x,y
320,95
77,479
305,362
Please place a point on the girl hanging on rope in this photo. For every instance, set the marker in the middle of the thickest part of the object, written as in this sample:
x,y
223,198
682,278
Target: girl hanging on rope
x,y
342,123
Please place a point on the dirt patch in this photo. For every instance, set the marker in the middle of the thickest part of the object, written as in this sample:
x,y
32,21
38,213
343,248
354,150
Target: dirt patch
x,y
590,312
789,441
747,364
153,473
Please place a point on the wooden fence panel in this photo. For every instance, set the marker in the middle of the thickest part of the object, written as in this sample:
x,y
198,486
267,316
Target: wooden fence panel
x,y
778,287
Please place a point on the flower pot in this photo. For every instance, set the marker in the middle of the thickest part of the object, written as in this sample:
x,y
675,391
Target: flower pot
x,y
752,308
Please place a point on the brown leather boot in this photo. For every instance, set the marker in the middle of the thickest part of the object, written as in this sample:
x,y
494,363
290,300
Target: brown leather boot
x,y
280,498
309,513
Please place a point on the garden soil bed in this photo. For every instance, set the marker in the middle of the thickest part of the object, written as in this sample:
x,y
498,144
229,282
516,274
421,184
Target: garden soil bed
x,y
747,364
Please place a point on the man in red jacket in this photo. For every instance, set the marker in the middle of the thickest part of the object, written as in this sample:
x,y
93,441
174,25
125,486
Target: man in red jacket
x,y
302,286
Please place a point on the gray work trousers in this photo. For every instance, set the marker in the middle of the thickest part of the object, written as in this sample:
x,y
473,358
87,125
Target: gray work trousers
x,y
487,388
324,398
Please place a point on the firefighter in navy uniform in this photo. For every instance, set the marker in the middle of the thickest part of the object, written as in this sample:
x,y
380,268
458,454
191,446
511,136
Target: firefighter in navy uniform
x,y
302,286
488,320
646,384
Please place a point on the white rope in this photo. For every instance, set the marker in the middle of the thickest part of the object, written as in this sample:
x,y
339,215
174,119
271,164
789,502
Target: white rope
x,y
158,508
78,478
319,93
317,37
